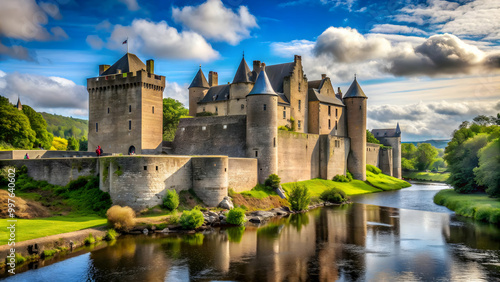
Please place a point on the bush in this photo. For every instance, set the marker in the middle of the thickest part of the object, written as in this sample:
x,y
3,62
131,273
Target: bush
x,y
171,200
236,216
348,174
110,235
340,178
299,197
273,181
121,218
334,195
191,219
89,240
48,253
284,128
373,169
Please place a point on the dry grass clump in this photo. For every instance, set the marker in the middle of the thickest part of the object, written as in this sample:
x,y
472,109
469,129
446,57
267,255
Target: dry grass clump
x,y
121,218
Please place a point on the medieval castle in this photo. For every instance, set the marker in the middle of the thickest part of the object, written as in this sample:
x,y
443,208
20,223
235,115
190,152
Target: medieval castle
x,y
270,119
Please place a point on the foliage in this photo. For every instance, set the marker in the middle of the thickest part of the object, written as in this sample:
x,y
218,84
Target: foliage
x,y
385,182
83,144
206,114
408,164
60,144
84,195
235,233
173,110
121,218
438,163
373,169
73,144
65,127
191,219
89,240
334,195
478,206
425,155
259,191
426,176
284,128
236,216
299,197
273,181
49,253
39,125
15,127
349,176
370,138
488,171
340,178
171,200
408,151
110,235
292,124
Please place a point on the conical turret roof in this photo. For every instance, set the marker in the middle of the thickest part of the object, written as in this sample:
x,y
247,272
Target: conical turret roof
x,y
355,91
128,63
199,80
262,85
398,130
243,73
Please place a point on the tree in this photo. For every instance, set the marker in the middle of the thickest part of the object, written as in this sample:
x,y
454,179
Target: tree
x,y
60,144
408,151
84,144
299,197
482,120
39,125
73,144
173,110
488,171
408,164
439,162
370,138
425,155
15,127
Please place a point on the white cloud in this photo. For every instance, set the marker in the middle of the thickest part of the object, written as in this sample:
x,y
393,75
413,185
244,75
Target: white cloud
x,y
45,93
95,42
177,92
104,25
161,41
391,28
131,4
16,52
214,21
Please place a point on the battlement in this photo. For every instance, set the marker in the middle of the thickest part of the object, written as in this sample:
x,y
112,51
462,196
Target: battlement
x,y
126,80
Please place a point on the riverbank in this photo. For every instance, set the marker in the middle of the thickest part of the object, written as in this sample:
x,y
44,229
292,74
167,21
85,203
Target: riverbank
x,y
477,206
426,176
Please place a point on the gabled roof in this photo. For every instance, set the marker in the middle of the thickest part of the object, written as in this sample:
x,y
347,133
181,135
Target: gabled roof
x,y
128,63
355,91
262,85
315,96
199,80
317,84
217,93
243,74
277,73
282,100
390,132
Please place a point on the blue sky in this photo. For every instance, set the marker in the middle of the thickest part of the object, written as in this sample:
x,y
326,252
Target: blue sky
x,y
426,64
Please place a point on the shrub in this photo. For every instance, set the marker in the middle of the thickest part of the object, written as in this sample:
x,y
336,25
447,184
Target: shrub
x,y
110,235
373,169
236,216
121,218
273,181
299,197
334,195
171,200
89,240
48,253
191,219
19,259
340,178
348,174
173,219
284,128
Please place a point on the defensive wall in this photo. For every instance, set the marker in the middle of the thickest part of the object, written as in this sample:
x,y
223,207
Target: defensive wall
x,y
43,154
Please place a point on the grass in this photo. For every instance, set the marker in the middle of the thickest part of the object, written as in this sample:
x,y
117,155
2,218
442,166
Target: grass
x,y
27,229
426,176
317,186
259,192
477,206
385,182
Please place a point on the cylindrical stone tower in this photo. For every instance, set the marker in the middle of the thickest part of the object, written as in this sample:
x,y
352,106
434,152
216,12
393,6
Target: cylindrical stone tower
x,y
197,90
262,126
355,102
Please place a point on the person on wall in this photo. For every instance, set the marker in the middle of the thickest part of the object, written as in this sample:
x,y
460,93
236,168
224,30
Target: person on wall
x,y
26,157
98,151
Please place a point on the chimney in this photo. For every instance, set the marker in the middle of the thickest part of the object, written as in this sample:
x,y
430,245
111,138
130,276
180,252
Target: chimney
x,y
103,68
256,66
150,66
213,78
339,94
297,58
323,76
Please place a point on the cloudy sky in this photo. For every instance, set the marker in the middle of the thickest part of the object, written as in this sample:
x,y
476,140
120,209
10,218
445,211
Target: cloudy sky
x,y
428,65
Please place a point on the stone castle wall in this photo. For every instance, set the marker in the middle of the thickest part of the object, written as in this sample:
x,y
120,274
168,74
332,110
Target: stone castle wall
x,y
242,174
298,156
386,159
372,154
334,150
43,154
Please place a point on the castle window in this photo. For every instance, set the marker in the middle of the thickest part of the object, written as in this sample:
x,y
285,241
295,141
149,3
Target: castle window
x,y
216,109
256,154
203,108
298,123
129,108
265,106
299,86
242,106
96,127
329,124
156,168
284,114
335,125
145,167
329,110
108,110
129,125
153,109
299,104
274,141
336,112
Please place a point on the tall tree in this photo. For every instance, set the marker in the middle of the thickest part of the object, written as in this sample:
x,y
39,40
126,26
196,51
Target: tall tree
x,y
425,155
15,126
39,125
173,110
488,171
370,138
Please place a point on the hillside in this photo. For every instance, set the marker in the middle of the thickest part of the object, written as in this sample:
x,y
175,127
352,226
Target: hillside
x,y
440,144
66,127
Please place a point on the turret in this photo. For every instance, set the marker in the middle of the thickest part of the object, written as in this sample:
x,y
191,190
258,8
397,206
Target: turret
x,y
197,90
355,102
262,126
19,106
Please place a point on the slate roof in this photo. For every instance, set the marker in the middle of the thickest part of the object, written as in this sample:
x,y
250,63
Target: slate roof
x,y
262,85
355,91
128,63
243,74
317,84
390,132
314,95
199,80
282,100
277,73
217,93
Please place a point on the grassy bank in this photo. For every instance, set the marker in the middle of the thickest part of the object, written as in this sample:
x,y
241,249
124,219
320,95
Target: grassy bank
x,y
27,229
426,176
477,206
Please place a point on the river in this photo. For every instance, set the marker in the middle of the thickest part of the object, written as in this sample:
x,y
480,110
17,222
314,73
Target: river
x,y
389,236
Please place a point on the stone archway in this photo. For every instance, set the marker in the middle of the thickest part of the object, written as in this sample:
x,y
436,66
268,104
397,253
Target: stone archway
x,y
131,150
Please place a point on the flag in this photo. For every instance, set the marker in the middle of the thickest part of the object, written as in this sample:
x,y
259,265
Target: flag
x,y
125,42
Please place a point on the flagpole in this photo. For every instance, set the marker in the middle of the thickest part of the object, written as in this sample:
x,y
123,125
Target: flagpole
x,y
127,44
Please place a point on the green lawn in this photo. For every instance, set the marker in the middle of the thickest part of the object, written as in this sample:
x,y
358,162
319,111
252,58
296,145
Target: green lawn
x,y
27,229
317,186
477,206
385,182
426,176
260,191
